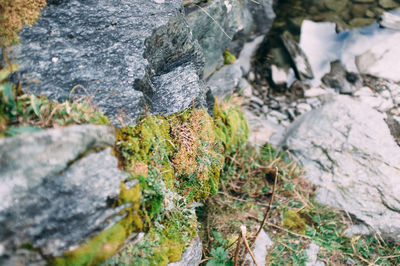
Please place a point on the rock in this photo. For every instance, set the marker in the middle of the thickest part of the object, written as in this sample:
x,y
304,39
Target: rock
x,y
56,190
315,92
256,101
390,21
192,255
312,253
364,91
120,53
347,150
279,77
394,126
260,250
262,130
217,22
244,60
361,22
337,78
301,65
388,4
225,80
297,89
335,5
191,2
381,60
302,108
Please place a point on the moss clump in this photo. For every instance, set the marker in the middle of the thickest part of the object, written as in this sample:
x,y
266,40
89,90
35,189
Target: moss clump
x,y
108,242
229,58
178,159
293,221
14,14
21,113
231,126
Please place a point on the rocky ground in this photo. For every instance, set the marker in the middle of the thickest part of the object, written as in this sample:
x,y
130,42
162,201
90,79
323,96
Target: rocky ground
x,y
343,127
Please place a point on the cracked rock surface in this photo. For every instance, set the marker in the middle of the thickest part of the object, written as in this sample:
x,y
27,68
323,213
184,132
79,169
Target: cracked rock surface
x,y
350,155
55,190
120,53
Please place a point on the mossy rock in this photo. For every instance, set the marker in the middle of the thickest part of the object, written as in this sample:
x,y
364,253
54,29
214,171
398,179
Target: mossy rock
x,y
108,242
177,160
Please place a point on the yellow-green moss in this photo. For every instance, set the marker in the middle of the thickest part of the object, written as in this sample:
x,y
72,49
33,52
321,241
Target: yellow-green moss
x,y
229,58
108,242
183,155
293,221
231,126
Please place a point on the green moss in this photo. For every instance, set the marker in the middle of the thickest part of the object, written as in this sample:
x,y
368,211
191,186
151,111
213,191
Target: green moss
x,y
231,126
183,156
293,221
108,242
229,58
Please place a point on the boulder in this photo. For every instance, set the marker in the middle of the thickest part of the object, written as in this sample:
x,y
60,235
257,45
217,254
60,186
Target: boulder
x,y
348,152
216,23
56,190
122,54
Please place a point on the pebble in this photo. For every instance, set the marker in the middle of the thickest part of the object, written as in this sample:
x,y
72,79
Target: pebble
x,y
314,92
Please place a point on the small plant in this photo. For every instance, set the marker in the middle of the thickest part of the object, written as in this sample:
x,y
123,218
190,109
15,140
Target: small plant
x,y
219,257
229,58
22,113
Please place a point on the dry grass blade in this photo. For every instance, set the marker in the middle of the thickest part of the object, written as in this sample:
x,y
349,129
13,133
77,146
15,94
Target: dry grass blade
x,y
243,231
239,242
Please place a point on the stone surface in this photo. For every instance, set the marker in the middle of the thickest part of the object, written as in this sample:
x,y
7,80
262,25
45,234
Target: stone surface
x,y
120,53
390,21
56,188
260,249
312,253
382,59
347,150
338,79
225,80
301,65
192,255
216,23
263,130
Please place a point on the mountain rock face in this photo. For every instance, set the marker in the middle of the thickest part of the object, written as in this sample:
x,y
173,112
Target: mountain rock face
x,y
123,54
55,192
348,151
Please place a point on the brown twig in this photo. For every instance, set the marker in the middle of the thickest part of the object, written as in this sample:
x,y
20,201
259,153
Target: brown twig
x,y
267,211
266,215
243,231
239,242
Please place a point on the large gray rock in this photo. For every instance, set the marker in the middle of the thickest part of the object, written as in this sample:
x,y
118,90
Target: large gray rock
x,y
217,22
122,53
347,150
56,190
